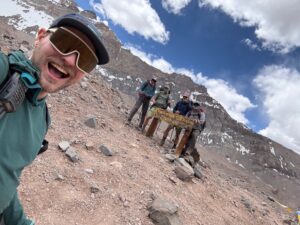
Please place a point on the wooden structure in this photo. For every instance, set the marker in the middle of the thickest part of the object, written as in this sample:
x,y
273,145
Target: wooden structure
x,y
172,119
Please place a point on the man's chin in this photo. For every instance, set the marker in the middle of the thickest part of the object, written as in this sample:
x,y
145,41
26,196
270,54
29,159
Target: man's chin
x,y
49,87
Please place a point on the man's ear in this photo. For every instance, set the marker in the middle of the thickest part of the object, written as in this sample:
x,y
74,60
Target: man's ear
x,y
42,33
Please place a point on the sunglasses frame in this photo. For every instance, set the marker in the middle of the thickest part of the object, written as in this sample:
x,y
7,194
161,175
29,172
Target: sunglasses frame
x,y
53,30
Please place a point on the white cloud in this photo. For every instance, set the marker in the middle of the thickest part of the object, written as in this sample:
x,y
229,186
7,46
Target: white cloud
x,y
280,90
276,22
174,6
234,103
135,16
251,44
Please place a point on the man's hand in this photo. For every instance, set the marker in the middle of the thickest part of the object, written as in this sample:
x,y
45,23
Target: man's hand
x,y
197,121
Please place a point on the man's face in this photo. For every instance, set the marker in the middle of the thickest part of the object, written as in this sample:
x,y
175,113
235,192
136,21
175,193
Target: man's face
x,y
152,82
185,98
56,71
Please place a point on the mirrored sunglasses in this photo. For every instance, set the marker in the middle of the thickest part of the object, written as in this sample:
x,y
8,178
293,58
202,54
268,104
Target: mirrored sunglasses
x,y
66,43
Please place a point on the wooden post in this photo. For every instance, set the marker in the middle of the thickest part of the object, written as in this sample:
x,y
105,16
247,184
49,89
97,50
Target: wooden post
x,y
152,127
183,142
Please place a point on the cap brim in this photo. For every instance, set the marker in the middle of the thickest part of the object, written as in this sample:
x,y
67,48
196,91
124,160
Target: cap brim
x,y
101,52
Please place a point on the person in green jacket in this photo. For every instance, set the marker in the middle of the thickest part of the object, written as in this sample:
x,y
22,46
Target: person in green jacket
x,y
160,100
62,55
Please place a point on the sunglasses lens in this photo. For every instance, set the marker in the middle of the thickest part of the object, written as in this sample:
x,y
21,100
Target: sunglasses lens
x,y
66,42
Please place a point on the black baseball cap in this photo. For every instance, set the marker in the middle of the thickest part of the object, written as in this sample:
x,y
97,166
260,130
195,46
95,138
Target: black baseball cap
x,y
196,104
85,26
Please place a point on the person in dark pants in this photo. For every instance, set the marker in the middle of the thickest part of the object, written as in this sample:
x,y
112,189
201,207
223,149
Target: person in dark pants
x,y
182,107
146,92
197,114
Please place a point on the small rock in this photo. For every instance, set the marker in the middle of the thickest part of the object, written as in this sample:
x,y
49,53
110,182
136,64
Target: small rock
x,y
83,85
275,191
64,145
91,122
164,212
59,177
90,171
105,150
173,179
203,164
184,173
126,204
264,204
89,146
94,189
265,212
72,154
170,157
197,171
116,164
182,162
247,204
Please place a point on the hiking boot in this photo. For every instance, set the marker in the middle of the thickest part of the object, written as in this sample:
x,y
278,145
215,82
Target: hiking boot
x,y
162,141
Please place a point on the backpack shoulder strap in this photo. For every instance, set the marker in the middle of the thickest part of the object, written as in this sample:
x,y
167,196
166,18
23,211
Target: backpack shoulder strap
x,y
9,75
45,143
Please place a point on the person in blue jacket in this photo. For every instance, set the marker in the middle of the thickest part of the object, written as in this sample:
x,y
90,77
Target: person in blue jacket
x,y
64,53
145,93
182,107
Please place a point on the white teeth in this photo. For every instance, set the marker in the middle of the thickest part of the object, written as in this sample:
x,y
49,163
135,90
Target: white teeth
x,y
59,68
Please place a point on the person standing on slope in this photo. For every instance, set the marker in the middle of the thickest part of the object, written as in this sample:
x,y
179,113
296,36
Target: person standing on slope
x,y
145,93
198,116
160,100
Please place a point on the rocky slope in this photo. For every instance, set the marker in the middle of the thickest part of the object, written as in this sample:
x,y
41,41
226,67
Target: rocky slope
x,y
244,167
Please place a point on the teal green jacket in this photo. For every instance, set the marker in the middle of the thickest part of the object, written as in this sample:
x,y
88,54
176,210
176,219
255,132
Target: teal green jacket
x,y
21,136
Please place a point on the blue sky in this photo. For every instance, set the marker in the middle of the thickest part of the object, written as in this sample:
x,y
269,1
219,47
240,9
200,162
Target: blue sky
x,y
245,52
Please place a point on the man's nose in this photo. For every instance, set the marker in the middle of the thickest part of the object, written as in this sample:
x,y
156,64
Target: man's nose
x,y
71,59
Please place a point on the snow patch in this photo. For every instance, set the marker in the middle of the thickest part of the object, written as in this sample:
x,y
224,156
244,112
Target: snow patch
x,y
139,80
112,77
239,164
225,137
242,149
272,150
281,163
23,15
212,105
56,2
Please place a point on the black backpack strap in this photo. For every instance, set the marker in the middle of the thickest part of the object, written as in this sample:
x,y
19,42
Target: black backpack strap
x,y
44,146
45,143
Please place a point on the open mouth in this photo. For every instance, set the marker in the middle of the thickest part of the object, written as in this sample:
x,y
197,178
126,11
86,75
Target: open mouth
x,y
57,71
